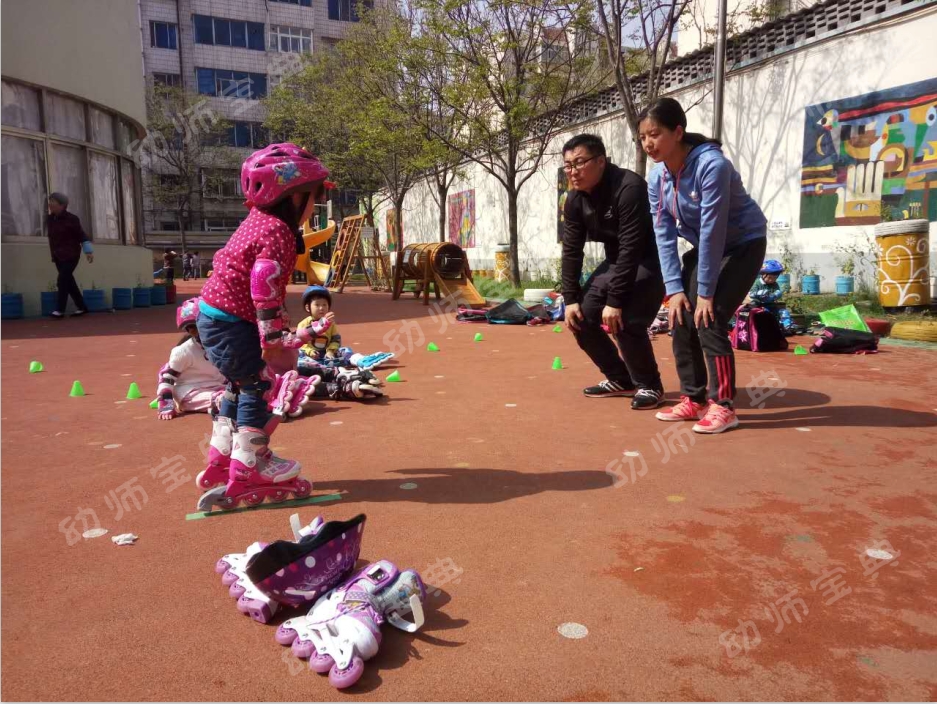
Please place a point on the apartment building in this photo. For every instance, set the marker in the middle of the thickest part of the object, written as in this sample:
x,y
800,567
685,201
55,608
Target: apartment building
x,y
232,52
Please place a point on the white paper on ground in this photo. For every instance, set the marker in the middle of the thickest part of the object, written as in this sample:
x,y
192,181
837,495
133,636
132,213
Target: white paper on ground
x,y
124,539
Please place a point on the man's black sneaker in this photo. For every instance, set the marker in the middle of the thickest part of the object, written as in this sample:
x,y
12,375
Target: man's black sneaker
x,y
646,399
608,389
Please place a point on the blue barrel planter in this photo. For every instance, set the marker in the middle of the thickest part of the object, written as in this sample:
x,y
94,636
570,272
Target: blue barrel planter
x,y
94,299
784,281
141,297
810,285
122,298
158,295
11,306
48,301
844,285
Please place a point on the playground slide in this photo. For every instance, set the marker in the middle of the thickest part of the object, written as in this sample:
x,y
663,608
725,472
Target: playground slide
x,y
316,272
461,291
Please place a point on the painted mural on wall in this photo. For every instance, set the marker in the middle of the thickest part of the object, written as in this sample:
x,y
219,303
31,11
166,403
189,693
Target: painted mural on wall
x,y
562,190
393,237
462,218
871,154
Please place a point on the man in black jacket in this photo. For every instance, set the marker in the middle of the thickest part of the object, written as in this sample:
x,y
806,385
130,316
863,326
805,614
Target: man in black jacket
x,y
67,240
609,204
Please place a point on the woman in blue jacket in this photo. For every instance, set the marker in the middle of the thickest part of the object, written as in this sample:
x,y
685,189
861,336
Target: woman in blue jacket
x,y
695,193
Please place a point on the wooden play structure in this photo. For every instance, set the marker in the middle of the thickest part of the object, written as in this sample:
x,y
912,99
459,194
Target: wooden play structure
x,y
350,249
442,265
348,252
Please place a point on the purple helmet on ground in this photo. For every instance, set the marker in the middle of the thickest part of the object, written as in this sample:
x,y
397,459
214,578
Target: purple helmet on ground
x,y
297,573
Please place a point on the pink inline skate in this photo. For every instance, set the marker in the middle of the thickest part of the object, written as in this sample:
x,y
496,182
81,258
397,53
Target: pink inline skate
x,y
343,628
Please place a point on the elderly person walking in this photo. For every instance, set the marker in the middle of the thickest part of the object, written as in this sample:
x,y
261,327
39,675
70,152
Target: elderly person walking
x,y
67,240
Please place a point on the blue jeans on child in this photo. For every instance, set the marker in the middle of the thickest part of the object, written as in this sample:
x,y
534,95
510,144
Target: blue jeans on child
x,y
234,349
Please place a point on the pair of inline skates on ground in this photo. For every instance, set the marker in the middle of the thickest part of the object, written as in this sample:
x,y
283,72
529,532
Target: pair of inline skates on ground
x,y
343,627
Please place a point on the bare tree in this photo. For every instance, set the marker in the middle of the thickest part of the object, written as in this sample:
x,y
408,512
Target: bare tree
x,y
638,31
181,152
510,67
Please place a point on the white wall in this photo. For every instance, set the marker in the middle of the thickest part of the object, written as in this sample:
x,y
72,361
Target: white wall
x,y
763,135
87,48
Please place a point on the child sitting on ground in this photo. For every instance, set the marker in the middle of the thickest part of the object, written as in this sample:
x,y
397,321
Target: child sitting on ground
x,y
189,383
766,293
326,340
344,375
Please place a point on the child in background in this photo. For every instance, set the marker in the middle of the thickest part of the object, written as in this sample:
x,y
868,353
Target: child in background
x,y
326,342
188,383
345,376
767,294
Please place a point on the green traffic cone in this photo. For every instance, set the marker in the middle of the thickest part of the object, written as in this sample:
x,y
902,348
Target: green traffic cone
x,y
558,328
35,367
77,389
154,404
431,347
478,337
800,350
557,363
394,376
134,391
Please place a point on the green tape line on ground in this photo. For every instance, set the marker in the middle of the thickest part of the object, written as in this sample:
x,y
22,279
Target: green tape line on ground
x,y
283,504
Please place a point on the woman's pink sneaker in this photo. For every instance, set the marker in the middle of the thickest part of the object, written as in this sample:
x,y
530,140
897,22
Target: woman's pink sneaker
x,y
718,419
687,409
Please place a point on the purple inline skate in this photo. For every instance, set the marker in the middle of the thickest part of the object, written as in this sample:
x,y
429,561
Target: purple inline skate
x,y
343,628
292,573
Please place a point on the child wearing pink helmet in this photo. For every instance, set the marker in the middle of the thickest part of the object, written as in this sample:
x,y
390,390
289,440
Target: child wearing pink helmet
x,y
243,322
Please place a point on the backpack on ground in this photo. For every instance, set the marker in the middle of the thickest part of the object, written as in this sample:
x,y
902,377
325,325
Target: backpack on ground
x,y
843,341
757,330
509,313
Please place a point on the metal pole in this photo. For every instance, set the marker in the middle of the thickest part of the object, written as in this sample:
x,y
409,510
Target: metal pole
x,y
719,75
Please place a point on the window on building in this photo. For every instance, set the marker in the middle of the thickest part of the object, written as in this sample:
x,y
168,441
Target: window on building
x,y
21,107
173,80
346,10
24,187
231,84
304,3
101,186
169,225
290,39
221,183
163,35
225,32
221,223
65,117
105,222
239,134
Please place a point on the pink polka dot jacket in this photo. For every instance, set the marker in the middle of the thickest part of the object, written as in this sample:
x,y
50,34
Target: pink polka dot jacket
x,y
250,274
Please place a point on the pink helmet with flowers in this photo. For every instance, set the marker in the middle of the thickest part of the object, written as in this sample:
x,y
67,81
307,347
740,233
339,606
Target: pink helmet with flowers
x,y
187,313
278,170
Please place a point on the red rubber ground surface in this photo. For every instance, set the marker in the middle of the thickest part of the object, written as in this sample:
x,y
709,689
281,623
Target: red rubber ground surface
x,y
517,498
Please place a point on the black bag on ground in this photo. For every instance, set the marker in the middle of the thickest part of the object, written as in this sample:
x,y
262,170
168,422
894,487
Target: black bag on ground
x,y
843,341
509,313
